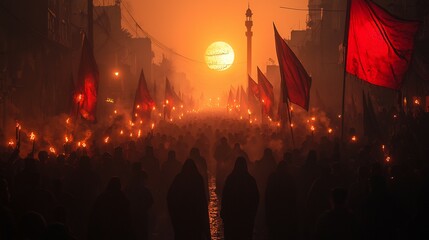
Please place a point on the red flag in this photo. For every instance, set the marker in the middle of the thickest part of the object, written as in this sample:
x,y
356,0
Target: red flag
x,y
295,81
230,104
87,83
253,88
143,102
266,93
244,106
379,45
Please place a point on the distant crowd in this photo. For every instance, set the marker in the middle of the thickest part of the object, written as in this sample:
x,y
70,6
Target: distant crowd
x,y
159,186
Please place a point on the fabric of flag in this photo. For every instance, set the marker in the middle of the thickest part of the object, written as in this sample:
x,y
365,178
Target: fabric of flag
x,y
231,103
143,102
244,106
87,83
266,94
294,78
253,88
379,45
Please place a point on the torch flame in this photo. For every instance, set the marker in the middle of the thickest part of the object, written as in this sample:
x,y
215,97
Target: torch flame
x,y
67,120
139,133
249,112
106,140
330,130
11,143
354,138
312,128
32,136
52,150
84,145
153,126
121,132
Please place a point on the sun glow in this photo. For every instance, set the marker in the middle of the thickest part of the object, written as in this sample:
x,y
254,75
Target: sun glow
x,y
219,56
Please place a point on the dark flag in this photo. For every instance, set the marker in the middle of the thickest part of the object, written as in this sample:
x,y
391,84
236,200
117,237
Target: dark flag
x,y
230,104
143,102
253,88
379,46
244,106
295,81
87,83
266,94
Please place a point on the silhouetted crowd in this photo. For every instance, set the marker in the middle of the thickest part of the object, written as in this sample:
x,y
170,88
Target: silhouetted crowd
x,y
158,187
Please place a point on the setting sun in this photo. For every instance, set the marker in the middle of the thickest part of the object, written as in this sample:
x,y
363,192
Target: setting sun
x,y
219,56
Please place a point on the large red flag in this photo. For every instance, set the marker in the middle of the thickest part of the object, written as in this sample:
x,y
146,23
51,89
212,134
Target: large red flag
x,y
379,45
295,81
143,102
253,88
266,93
87,83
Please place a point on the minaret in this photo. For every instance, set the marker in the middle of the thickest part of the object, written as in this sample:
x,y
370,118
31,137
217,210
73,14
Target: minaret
x,y
249,34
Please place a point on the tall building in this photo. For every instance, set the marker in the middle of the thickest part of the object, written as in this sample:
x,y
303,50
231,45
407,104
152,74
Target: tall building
x,y
249,34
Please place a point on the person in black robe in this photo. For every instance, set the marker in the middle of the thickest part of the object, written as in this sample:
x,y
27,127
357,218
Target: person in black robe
x,y
187,205
240,201
280,204
110,218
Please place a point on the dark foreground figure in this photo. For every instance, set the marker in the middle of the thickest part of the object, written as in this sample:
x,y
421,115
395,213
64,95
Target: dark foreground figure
x,y
240,201
187,204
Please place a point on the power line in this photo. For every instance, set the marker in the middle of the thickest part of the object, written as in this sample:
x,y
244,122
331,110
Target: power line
x,y
157,42
313,9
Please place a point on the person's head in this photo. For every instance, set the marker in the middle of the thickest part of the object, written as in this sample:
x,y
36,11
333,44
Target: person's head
x,y
118,152
32,225
171,155
114,185
268,153
189,167
311,157
287,157
240,166
237,146
195,153
43,156
282,167
339,197
149,150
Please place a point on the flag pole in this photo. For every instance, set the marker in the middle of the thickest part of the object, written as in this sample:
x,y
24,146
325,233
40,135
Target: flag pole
x,y
290,122
345,43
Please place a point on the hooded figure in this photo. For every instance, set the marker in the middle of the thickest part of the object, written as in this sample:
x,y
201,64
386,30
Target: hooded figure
x,y
110,217
187,204
240,201
280,204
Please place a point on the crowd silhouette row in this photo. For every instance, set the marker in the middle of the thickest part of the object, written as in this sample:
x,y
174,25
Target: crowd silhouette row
x,y
154,189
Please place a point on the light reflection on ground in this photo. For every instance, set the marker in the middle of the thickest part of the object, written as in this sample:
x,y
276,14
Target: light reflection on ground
x,y
214,211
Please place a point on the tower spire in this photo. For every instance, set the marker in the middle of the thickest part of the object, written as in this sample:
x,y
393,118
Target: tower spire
x,y
249,35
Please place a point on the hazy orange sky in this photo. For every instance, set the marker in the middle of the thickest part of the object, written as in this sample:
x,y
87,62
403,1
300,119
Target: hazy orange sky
x,y
190,26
